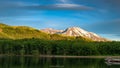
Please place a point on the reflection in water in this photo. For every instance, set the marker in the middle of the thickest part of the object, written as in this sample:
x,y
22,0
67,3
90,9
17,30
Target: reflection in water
x,y
112,63
37,62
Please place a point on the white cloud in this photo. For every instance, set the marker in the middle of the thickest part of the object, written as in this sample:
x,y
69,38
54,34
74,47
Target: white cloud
x,y
68,5
62,6
72,6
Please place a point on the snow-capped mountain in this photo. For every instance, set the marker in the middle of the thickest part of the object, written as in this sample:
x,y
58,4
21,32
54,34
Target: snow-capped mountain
x,y
75,31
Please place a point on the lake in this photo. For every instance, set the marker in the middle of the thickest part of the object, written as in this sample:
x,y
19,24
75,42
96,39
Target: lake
x,y
40,62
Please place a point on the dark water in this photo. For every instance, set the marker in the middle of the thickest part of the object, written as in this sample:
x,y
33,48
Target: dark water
x,y
37,62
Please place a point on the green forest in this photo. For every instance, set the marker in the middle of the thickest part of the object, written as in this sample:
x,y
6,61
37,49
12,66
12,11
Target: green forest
x,y
57,47
23,40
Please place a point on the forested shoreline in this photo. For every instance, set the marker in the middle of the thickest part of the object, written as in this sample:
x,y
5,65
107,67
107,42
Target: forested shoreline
x,y
57,47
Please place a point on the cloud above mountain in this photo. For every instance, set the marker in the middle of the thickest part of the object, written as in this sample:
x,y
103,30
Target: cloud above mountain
x,y
60,7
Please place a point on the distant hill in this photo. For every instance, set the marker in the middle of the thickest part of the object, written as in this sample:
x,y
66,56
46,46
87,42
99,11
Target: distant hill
x,y
20,32
51,30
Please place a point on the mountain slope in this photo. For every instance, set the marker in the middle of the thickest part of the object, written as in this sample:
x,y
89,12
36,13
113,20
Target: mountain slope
x,y
77,31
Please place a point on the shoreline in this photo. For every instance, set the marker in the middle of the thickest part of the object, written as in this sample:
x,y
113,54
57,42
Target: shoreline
x,y
60,56
56,56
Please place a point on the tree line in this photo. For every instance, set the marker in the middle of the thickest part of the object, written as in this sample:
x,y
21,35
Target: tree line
x,y
57,47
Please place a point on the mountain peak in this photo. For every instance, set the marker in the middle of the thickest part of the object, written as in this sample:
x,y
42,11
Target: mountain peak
x,y
75,27
74,31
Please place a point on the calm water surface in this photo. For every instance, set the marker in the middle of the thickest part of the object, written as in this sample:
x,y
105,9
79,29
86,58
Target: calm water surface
x,y
38,62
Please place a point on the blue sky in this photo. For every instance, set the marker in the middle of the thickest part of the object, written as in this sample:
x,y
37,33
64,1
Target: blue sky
x,y
99,16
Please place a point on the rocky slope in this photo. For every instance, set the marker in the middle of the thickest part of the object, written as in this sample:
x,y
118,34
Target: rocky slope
x,y
51,31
